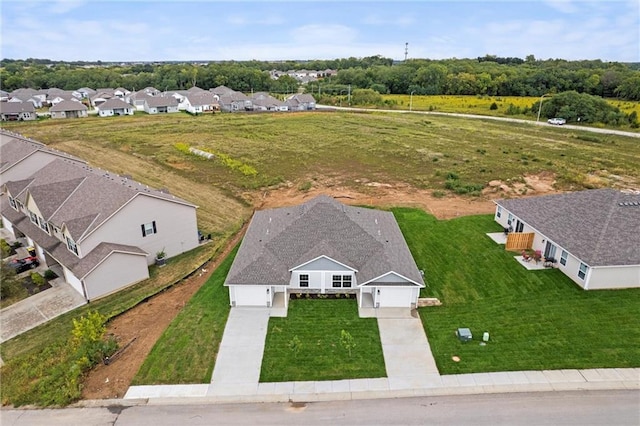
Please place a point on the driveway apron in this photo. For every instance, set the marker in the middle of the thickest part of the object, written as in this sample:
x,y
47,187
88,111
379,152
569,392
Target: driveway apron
x,y
407,354
237,367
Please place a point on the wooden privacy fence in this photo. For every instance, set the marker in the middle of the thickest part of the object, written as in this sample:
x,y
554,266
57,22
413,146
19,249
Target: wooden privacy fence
x,y
519,240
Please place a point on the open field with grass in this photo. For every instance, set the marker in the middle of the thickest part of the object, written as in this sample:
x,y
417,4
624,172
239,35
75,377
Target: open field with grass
x,y
316,326
186,351
481,105
536,319
344,149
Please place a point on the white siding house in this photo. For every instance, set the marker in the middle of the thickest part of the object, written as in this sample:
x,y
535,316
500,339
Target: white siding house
x,y
591,236
101,229
324,247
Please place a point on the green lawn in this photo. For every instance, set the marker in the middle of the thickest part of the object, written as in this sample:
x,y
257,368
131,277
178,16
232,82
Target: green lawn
x,y
186,351
536,319
318,325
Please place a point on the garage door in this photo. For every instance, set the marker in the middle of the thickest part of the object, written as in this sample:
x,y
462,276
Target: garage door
x,y
390,297
250,295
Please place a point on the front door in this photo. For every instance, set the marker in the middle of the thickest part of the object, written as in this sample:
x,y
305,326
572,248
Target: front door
x,y
549,251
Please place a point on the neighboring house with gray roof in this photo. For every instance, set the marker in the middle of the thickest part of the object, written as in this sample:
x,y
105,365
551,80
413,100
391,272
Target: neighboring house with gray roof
x,y
198,102
591,235
301,102
324,246
17,111
160,104
263,101
115,106
69,109
100,230
21,157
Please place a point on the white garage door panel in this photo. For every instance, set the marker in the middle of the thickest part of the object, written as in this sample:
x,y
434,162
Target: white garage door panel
x,y
395,297
251,296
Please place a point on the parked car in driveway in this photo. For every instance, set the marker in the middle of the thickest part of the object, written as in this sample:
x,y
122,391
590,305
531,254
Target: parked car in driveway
x,y
557,121
24,264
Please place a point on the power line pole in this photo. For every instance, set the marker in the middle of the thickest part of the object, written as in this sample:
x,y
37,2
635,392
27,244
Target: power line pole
x,y
406,51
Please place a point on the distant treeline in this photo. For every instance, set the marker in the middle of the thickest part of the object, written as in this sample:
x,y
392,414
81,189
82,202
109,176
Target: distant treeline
x,y
488,75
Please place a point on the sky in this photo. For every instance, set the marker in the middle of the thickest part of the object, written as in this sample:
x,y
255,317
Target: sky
x,y
210,30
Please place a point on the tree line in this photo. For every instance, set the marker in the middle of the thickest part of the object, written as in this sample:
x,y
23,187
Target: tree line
x,y
489,75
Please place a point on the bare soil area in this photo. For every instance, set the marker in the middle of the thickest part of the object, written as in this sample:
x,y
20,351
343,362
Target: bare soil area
x,y
147,321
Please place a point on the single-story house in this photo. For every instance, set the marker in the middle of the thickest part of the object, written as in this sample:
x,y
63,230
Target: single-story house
x,y
263,101
69,109
160,104
115,106
301,102
17,111
592,236
199,101
325,247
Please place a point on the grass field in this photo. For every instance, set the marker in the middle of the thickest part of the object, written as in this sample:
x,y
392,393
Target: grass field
x,y
344,147
317,325
481,104
536,319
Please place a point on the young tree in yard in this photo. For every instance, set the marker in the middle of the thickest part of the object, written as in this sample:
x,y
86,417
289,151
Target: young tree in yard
x,y
347,341
10,284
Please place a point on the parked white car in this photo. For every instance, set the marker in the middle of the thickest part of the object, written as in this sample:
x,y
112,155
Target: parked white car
x,y
557,121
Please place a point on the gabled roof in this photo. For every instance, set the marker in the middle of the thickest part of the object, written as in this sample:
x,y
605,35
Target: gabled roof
x,y
114,103
277,240
80,197
161,101
600,226
302,98
221,90
68,106
16,107
201,98
14,148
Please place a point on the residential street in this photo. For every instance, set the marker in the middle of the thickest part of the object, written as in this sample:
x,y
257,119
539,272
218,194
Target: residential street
x,y
553,408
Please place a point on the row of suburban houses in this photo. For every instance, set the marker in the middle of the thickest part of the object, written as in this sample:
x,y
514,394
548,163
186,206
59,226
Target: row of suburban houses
x,y
22,104
96,229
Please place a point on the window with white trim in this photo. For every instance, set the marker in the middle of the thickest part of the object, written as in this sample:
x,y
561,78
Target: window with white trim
x,y
563,258
582,272
43,224
149,228
339,281
499,213
33,217
13,203
303,280
509,219
71,245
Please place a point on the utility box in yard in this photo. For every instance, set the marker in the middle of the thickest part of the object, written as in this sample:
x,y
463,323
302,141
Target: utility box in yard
x,y
464,334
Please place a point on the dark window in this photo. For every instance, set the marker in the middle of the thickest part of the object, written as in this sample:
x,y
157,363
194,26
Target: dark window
x,y
582,272
71,245
304,280
346,281
337,281
563,258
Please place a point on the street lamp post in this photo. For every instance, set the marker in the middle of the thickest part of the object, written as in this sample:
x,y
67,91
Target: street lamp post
x,y
411,101
540,106
340,95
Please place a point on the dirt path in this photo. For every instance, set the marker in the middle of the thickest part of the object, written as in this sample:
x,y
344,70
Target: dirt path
x,y
146,322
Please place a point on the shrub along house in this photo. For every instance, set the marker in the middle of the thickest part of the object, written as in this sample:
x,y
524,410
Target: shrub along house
x,y
99,229
324,247
592,236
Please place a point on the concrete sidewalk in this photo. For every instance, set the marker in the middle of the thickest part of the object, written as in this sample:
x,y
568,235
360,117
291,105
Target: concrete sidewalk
x,y
38,309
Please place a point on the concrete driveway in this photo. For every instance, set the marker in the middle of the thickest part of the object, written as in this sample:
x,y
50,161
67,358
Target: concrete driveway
x,y
237,367
38,309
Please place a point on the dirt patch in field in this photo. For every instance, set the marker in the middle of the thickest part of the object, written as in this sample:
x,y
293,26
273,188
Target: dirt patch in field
x,y
144,323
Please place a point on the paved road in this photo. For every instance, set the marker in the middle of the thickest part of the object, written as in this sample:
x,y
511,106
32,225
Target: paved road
x,y
556,408
486,117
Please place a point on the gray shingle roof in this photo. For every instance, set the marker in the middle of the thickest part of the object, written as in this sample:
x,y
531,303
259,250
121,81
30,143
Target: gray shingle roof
x,y
277,240
201,98
81,197
68,106
114,103
161,101
16,107
591,225
15,148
